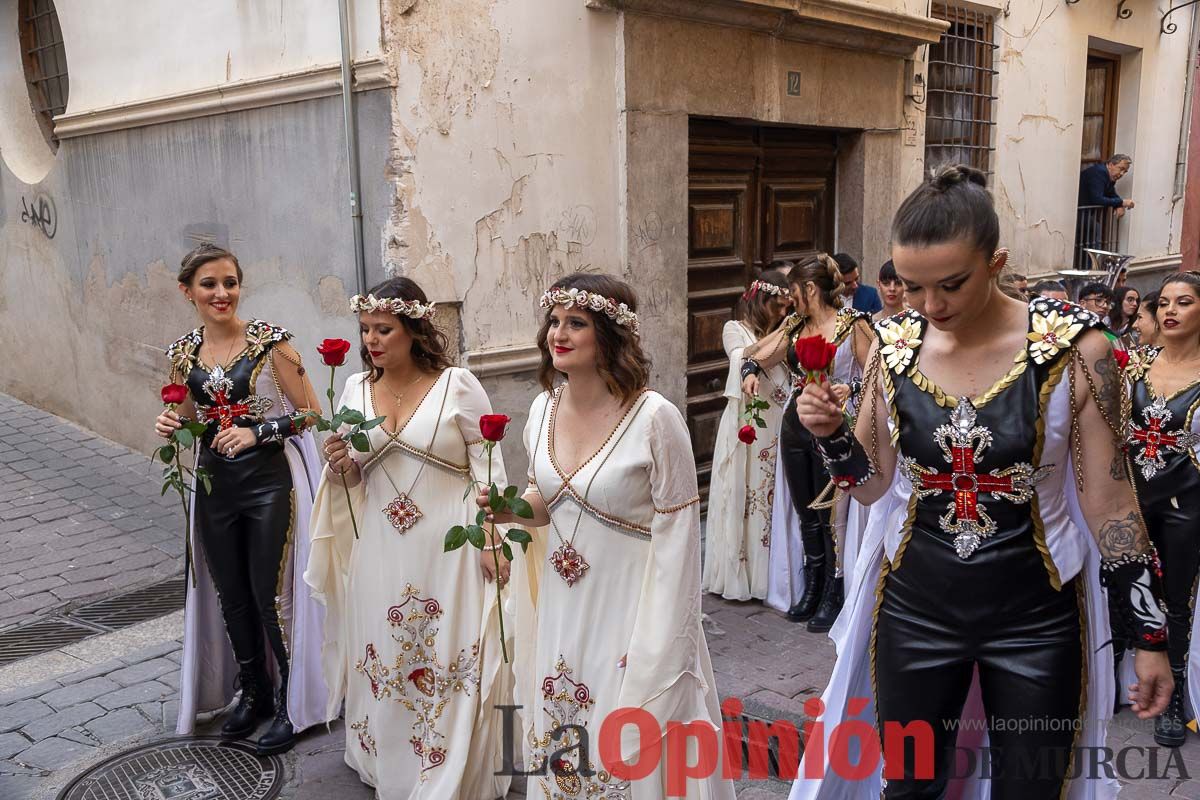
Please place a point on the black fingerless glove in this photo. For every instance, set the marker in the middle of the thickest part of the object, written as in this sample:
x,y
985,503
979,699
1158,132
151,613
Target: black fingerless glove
x,y
750,367
845,459
1136,586
276,429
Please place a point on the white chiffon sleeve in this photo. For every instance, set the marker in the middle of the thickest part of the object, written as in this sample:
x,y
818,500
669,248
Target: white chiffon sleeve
x,y
469,402
332,534
664,666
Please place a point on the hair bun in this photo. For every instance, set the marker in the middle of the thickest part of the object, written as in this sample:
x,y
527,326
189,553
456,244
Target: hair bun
x,y
952,175
831,267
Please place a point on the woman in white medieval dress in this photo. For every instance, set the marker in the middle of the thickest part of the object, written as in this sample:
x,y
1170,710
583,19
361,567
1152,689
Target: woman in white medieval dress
x,y
738,538
614,577
412,640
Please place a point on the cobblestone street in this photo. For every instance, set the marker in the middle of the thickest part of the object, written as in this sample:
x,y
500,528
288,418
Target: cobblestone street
x,y
81,518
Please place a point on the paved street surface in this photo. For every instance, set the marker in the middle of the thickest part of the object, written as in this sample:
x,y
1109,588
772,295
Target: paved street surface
x,y
80,518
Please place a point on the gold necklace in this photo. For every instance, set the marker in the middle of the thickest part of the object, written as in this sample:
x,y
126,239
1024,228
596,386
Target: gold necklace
x,y
400,396
224,365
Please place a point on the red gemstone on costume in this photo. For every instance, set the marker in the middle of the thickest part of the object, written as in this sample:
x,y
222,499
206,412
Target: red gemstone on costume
x,y
402,512
569,564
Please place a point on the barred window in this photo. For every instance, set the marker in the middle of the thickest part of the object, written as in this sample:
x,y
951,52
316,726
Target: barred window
x,y
45,61
961,90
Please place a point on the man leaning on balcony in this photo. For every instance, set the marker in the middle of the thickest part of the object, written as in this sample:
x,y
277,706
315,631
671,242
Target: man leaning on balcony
x,y
1098,184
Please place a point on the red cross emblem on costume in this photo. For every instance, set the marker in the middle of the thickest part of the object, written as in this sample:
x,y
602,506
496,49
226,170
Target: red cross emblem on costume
x,y
963,444
219,387
222,412
1154,440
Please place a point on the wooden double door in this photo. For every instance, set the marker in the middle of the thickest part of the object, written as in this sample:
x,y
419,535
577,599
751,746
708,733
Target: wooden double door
x,y
756,195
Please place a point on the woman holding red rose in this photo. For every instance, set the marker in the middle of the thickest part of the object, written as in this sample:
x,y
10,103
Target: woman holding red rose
x,y
743,472
412,645
244,380
609,592
829,342
986,449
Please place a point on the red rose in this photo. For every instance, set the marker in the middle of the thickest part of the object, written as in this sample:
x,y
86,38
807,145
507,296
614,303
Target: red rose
x,y
814,353
333,352
747,434
1122,358
174,393
492,426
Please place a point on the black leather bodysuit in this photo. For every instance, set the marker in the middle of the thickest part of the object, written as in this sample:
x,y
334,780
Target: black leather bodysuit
x,y
972,586
1167,476
244,526
805,474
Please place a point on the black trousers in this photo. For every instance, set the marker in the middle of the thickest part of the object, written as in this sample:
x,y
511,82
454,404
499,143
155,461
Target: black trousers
x,y
939,619
1176,534
806,479
244,528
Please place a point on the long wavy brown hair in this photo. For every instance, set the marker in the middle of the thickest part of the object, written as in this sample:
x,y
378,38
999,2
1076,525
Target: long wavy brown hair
x,y
429,347
622,363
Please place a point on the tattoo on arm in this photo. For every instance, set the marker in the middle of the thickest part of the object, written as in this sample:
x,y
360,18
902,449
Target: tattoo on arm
x,y
1116,470
1123,537
1111,389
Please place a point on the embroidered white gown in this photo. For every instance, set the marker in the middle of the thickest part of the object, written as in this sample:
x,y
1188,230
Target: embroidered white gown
x,y
632,512
737,545
412,637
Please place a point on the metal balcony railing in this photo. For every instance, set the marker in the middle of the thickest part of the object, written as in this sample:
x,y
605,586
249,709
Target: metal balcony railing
x,y
1097,228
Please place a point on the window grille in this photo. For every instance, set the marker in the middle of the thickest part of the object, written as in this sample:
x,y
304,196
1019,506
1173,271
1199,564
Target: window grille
x,y
959,119
45,61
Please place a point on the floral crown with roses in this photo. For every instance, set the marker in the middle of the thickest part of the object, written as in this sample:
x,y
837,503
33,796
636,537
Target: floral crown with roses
x,y
413,309
763,286
617,312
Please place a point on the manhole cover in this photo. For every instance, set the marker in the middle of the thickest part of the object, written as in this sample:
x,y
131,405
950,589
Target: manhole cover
x,y
181,769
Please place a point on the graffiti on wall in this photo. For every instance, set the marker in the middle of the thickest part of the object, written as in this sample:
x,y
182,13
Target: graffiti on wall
x,y
40,213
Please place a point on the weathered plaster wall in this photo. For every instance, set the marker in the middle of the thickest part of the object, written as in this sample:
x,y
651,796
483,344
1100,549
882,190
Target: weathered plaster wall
x,y
125,52
1041,60
86,314
504,163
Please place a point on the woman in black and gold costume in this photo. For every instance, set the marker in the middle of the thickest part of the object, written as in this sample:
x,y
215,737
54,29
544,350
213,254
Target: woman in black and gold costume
x,y
816,286
1163,440
247,383
976,575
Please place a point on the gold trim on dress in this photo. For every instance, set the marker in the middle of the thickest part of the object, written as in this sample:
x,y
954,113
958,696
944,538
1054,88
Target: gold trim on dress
x,y
1053,378
677,506
907,528
884,570
601,516
1085,671
550,429
463,470
283,562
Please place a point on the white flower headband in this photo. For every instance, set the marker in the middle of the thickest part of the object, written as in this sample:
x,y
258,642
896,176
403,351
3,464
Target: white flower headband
x,y
414,309
617,312
763,286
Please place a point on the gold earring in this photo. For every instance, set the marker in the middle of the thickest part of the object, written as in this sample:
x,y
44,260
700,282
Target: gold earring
x,y
1002,253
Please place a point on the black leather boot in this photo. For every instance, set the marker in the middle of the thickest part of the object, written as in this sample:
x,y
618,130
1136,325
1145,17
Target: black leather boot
x,y
831,606
814,584
1170,728
280,737
255,703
